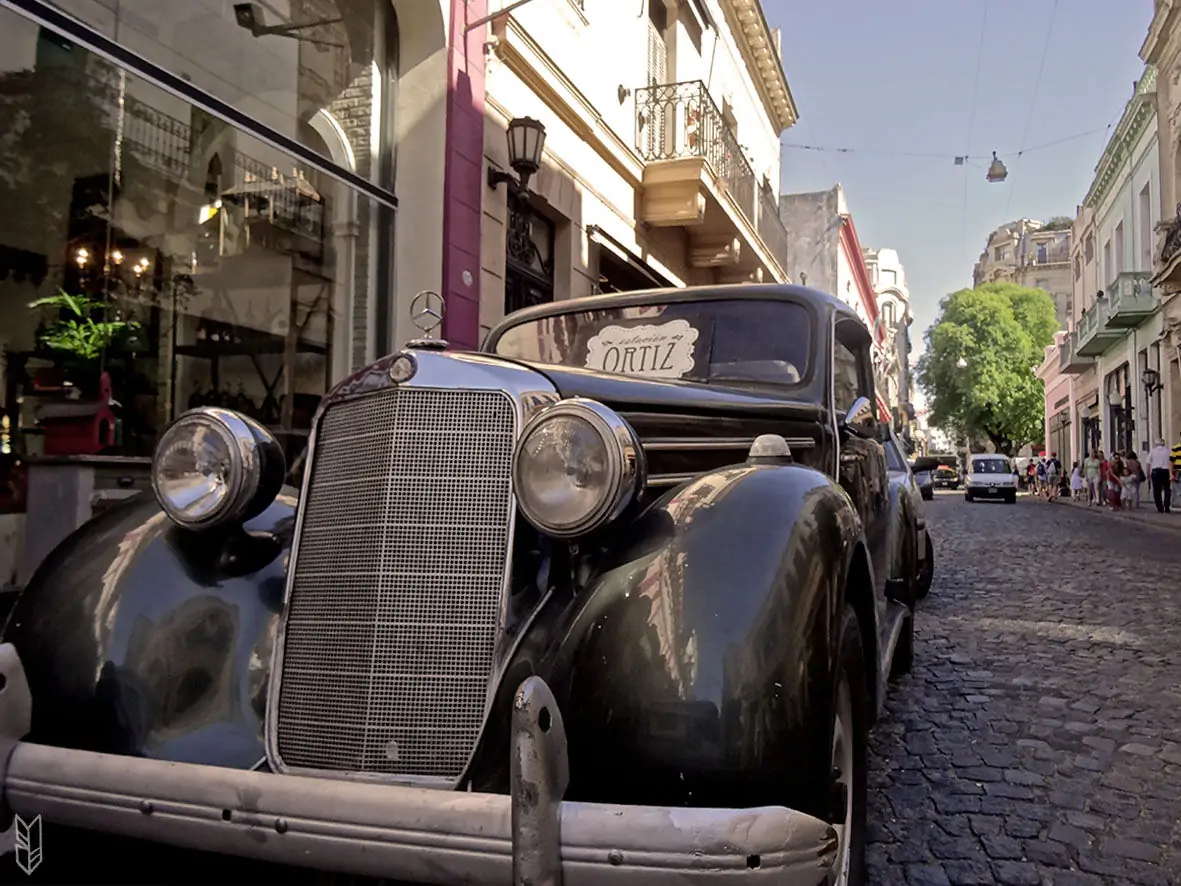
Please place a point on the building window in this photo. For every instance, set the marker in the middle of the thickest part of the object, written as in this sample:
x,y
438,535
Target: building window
x,y
1106,270
237,271
1145,209
1001,253
1089,249
1042,284
1118,257
888,314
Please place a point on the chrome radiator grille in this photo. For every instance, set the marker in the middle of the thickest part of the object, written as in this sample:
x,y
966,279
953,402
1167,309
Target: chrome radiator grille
x,y
398,583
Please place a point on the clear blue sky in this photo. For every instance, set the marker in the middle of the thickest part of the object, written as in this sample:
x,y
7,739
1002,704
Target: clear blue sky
x,y
882,76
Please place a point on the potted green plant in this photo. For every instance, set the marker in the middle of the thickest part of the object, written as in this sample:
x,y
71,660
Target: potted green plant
x,y
78,335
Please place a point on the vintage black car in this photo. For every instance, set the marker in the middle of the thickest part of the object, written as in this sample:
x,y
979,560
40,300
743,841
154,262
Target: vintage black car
x,y
615,600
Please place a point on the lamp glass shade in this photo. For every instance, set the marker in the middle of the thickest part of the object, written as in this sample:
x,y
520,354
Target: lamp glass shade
x,y
526,140
996,170
1150,378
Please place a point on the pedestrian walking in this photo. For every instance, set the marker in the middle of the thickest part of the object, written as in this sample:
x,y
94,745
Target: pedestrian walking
x,y
1135,478
1076,482
1040,483
1053,477
1160,473
1115,473
1093,475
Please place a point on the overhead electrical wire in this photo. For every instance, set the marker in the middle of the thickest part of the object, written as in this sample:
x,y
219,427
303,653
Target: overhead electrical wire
x,y
1041,67
945,155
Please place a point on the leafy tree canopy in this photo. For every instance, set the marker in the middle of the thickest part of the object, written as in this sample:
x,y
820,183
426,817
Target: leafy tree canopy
x,y
1059,223
998,332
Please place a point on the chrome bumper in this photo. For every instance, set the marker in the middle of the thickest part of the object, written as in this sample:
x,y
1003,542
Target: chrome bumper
x,y
407,833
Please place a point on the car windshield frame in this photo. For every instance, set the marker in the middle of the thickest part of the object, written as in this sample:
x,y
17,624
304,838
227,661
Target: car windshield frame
x,y
1002,466
711,307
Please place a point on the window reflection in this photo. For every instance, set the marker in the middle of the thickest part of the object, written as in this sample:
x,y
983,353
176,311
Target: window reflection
x,y
301,56
227,272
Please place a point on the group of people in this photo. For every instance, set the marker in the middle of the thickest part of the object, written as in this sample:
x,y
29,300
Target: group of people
x,y
1112,482
1044,477
1116,482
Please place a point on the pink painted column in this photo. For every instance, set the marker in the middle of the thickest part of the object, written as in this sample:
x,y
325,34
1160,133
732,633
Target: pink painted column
x,y
463,182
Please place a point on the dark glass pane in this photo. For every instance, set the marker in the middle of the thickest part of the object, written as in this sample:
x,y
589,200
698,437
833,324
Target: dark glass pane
x,y
228,272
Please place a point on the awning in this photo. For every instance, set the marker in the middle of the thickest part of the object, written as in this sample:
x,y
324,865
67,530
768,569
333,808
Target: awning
x,y
658,280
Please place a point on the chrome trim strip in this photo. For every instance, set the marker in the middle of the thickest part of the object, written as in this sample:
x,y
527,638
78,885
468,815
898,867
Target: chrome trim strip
x,y
82,34
436,370
670,479
687,444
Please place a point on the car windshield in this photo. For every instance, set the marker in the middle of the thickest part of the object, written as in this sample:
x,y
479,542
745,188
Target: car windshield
x,y
894,459
991,466
729,340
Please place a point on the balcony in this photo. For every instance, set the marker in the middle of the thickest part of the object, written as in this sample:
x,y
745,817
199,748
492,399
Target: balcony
x,y
696,176
1070,361
1094,335
1130,300
1167,272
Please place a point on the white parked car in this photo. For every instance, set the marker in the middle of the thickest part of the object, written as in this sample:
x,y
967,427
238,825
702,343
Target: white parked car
x,y
990,475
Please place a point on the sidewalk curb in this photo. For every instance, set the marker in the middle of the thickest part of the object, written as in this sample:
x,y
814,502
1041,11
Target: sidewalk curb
x,y
1127,516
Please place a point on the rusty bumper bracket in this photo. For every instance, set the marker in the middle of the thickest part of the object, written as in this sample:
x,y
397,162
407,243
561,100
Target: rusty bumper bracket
x,y
539,776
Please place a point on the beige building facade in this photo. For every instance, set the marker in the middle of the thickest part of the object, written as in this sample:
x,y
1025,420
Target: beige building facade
x,y
661,166
1162,49
1030,253
1094,374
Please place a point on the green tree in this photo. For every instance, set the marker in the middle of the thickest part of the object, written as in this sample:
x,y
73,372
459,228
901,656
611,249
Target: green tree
x,y
978,369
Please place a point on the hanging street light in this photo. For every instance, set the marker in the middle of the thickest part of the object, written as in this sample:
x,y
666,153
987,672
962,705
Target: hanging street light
x,y
996,170
526,141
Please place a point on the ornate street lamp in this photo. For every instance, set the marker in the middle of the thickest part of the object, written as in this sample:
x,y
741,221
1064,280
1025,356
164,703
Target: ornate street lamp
x,y
996,170
1150,378
526,140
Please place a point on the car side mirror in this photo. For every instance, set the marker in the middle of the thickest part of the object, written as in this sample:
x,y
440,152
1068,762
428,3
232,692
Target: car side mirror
x,y
859,419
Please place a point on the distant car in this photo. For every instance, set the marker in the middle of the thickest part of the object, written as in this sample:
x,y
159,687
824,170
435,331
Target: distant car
x,y
944,477
991,475
924,479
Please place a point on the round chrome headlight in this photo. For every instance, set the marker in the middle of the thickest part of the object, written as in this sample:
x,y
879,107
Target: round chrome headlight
x,y
215,466
577,467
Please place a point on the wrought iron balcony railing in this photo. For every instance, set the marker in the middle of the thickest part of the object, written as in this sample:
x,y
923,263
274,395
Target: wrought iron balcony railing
x,y
165,144
1171,238
679,120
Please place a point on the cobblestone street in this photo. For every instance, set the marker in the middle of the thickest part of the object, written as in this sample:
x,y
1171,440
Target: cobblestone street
x,y
1038,740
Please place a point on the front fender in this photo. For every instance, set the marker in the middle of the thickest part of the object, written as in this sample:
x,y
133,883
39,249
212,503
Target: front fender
x,y
694,667
142,639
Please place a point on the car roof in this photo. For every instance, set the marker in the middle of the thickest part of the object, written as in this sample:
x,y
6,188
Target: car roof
x,y
752,291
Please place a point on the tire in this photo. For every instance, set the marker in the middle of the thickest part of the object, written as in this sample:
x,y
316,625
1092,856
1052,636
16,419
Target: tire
x,y
850,739
967,496
1011,499
927,574
928,496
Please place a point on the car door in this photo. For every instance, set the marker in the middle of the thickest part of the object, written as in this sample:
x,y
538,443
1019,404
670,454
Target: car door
x,y
862,463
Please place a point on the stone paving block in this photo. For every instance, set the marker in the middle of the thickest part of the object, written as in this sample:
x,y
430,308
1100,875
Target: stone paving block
x,y
1036,742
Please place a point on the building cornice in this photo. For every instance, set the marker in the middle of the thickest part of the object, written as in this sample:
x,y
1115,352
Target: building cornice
x,y
524,56
856,257
1158,33
753,36
1137,114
